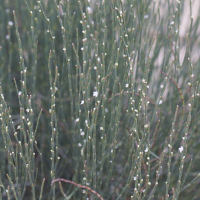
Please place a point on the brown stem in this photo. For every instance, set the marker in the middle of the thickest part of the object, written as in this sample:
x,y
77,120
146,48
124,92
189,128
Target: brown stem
x,y
78,185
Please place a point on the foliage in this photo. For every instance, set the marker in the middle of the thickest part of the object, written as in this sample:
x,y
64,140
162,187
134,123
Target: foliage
x,y
100,96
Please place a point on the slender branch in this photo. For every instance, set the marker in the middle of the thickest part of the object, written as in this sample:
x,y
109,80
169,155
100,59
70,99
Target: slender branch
x,y
125,92
176,86
78,185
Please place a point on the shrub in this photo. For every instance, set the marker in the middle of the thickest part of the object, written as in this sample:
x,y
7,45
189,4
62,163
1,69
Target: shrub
x,y
99,100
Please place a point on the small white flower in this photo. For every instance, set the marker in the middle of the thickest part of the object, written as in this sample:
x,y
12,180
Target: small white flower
x,y
144,80
82,102
95,93
7,37
82,133
95,67
172,23
181,149
89,10
10,23
146,125
146,16
77,120
106,109
160,102
126,85
169,146
101,128
79,144
146,150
